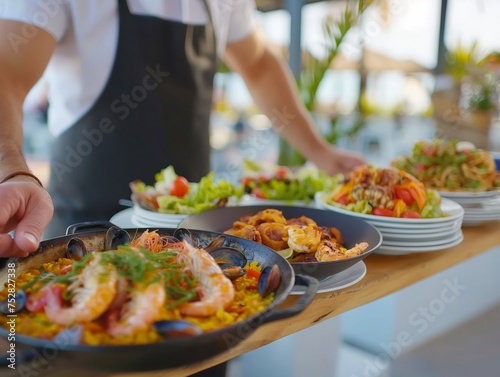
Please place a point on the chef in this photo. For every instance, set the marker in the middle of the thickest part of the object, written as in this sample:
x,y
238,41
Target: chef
x,y
130,92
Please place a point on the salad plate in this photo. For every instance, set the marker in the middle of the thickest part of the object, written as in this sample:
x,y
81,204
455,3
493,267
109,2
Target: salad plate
x,y
341,280
451,208
401,236
283,185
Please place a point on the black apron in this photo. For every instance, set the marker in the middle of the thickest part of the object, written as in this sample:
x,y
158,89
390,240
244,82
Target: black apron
x,y
153,112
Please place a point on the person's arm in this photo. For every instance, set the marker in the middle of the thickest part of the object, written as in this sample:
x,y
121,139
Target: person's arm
x,y
274,90
25,207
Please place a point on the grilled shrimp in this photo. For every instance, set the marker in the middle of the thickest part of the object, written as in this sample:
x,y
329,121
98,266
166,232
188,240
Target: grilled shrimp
x,y
215,289
93,291
243,230
139,313
331,250
303,239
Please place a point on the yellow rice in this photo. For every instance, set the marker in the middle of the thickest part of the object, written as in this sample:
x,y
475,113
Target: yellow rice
x,y
246,303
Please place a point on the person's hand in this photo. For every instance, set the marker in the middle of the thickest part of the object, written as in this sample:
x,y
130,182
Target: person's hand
x,y
335,160
26,208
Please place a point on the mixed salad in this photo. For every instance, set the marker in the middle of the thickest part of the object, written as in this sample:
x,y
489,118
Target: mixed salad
x,y
386,192
266,180
450,165
172,193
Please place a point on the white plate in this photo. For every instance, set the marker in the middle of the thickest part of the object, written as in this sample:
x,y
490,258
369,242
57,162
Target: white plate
x,y
482,211
151,223
490,216
453,209
123,219
493,196
419,243
343,279
407,227
397,250
469,194
411,236
420,230
157,216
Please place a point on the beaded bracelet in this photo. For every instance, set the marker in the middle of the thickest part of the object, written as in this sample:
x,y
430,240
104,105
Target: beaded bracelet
x,y
21,172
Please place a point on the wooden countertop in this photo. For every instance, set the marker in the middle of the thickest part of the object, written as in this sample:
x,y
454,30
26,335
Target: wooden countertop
x,y
385,275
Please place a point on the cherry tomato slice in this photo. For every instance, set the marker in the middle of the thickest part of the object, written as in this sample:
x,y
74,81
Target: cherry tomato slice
x,y
405,196
382,212
409,214
180,187
282,172
343,200
258,193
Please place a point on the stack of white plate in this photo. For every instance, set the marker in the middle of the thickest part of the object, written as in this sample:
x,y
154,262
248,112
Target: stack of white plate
x,y
144,218
405,236
479,207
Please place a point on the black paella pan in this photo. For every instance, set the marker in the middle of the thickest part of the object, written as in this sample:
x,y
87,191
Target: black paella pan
x,y
169,353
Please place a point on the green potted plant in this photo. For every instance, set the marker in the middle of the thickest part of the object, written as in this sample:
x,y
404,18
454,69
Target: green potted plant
x,y
314,71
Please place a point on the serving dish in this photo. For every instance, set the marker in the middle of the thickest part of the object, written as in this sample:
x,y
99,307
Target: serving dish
x,y
353,231
169,353
452,210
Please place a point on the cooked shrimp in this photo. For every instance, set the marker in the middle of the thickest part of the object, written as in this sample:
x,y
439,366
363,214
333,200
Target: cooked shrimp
x,y
93,291
246,231
331,250
216,290
303,239
139,313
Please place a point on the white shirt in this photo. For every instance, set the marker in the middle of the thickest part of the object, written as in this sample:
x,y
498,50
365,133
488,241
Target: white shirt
x,y
87,35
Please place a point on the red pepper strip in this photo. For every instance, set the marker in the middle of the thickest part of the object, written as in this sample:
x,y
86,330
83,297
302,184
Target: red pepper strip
x,y
253,273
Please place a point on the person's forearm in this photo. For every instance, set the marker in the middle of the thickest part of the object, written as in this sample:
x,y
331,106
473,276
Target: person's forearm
x,y
274,90
20,68
11,131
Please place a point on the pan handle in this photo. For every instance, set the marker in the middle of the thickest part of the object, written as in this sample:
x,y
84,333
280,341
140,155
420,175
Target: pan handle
x,y
89,226
312,285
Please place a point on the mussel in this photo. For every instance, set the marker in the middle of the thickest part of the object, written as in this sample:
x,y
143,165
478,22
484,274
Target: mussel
x,y
13,304
269,280
234,272
176,329
183,234
230,260
216,243
76,249
228,257
115,237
